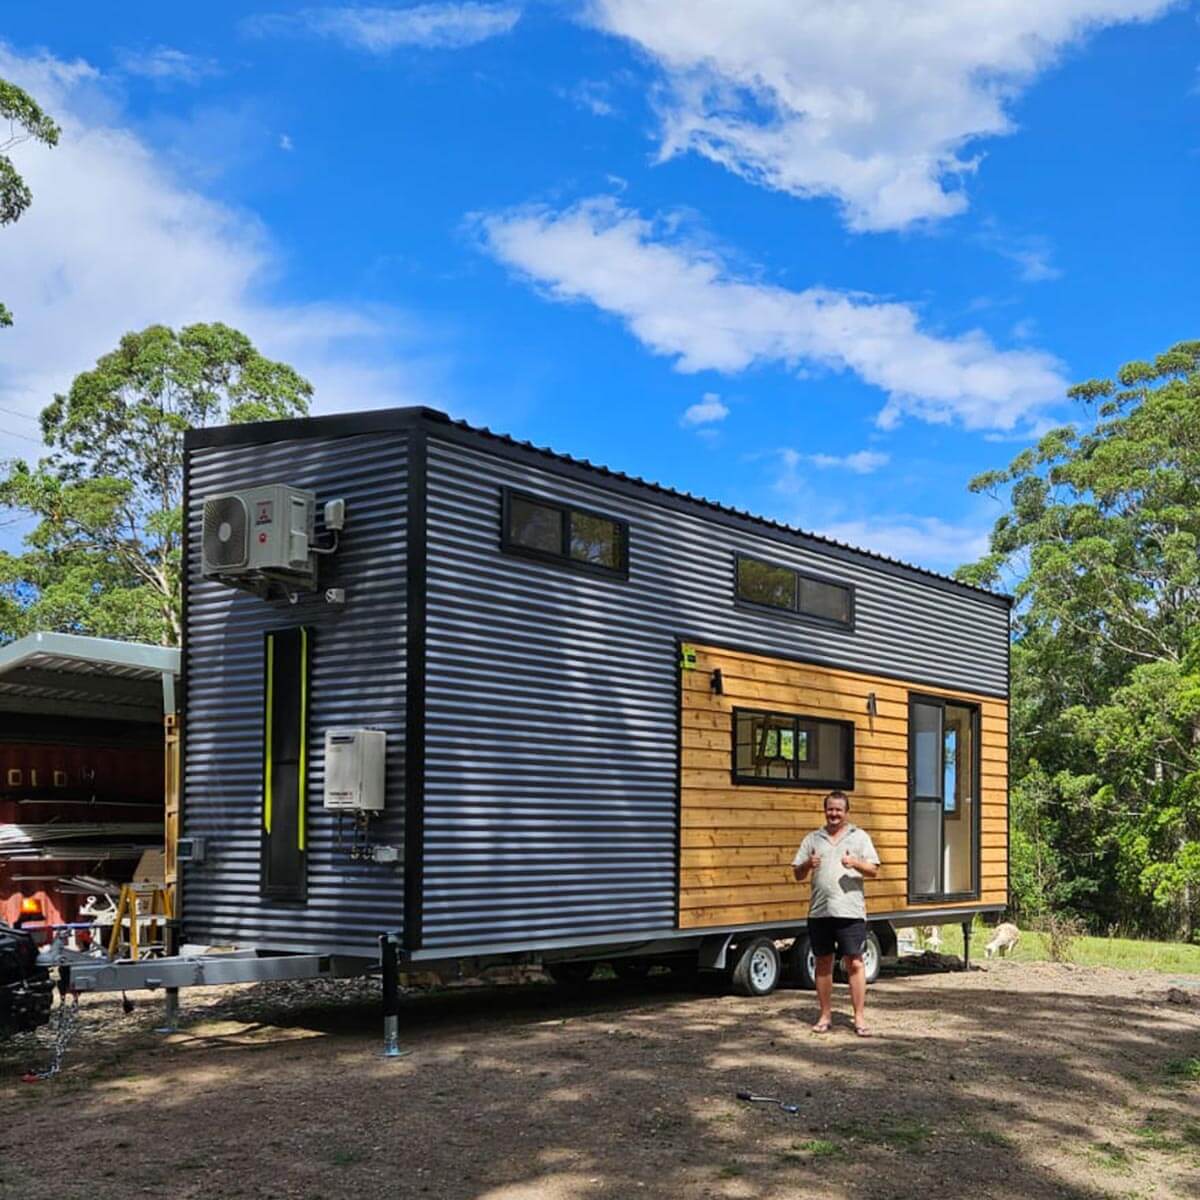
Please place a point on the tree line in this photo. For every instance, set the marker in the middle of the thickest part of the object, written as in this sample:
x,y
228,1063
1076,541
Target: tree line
x,y
1100,534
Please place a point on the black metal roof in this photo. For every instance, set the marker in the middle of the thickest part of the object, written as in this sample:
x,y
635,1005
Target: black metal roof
x,y
378,420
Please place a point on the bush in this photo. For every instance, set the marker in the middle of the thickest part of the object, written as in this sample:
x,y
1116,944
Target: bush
x,y
1062,931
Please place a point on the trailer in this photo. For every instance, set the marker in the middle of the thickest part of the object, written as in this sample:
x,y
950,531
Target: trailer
x,y
451,697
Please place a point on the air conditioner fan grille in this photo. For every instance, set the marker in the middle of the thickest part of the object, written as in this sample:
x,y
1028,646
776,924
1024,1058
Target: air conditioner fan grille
x,y
225,530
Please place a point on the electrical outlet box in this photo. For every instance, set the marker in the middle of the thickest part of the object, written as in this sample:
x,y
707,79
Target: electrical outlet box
x,y
190,850
354,769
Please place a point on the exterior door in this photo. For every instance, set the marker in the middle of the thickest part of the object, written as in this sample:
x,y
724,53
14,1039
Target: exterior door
x,y
943,805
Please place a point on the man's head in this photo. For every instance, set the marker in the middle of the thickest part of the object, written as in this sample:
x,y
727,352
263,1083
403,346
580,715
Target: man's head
x,y
837,805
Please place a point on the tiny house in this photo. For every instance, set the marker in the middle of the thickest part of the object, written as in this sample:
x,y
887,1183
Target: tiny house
x,y
477,699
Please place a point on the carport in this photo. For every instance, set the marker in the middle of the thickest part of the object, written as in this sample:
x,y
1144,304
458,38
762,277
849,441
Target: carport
x,y
89,765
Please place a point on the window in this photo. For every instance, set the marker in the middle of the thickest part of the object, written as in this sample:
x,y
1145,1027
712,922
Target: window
x,y
943,818
792,749
553,532
773,586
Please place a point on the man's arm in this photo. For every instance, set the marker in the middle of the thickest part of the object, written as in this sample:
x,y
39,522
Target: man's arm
x,y
867,869
866,861
802,864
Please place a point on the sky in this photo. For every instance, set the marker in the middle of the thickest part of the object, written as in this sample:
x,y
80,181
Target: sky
x,y
823,261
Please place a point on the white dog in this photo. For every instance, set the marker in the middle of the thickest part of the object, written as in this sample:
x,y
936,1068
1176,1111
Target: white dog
x,y
1003,940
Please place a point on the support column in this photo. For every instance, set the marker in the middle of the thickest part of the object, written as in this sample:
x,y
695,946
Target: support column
x,y
171,1002
966,928
389,963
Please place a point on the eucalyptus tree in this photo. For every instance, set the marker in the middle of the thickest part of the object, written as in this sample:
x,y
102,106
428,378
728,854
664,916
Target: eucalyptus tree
x,y
1101,535
20,120
103,556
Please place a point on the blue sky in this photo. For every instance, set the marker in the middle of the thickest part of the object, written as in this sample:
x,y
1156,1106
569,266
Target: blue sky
x,y
811,259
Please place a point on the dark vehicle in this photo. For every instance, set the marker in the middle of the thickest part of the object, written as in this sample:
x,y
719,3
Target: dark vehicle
x,y
26,993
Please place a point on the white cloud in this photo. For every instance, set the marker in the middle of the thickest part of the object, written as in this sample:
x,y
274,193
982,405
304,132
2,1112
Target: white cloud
x,y
166,65
861,462
1034,263
682,301
381,30
286,143
875,104
592,95
707,411
927,541
114,241
1032,255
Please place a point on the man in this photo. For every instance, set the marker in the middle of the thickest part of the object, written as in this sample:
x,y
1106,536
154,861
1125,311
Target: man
x,y
838,857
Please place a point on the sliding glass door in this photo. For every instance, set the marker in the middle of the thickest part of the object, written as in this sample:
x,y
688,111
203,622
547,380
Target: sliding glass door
x,y
943,805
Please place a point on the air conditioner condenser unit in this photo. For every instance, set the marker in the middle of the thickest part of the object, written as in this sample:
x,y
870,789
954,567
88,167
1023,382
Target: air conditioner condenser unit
x,y
261,534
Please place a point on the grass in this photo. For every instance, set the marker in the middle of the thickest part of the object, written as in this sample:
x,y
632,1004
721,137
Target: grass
x,y
1110,1155
909,1135
1123,953
1186,1070
986,1137
1155,1133
814,1148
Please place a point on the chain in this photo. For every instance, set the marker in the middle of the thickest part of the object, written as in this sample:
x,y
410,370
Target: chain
x,y
67,1025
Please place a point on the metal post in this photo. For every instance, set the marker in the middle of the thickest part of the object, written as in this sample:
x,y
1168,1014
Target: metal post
x,y
966,928
171,1004
391,998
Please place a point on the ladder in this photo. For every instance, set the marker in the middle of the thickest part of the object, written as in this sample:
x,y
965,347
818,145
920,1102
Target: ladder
x,y
140,926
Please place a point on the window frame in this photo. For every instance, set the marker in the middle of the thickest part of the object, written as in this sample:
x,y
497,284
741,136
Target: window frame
x,y
563,558
796,785
795,613
976,710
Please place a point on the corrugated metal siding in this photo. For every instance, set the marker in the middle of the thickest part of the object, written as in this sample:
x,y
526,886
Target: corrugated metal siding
x,y
550,807
358,678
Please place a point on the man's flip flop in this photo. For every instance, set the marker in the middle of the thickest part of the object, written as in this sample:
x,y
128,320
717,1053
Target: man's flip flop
x,y
863,1031
822,1027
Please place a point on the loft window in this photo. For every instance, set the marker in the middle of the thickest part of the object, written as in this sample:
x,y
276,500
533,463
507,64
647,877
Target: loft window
x,y
554,532
792,749
769,585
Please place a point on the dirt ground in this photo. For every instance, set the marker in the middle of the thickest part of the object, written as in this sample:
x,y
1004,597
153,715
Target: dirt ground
x,y
1016,1080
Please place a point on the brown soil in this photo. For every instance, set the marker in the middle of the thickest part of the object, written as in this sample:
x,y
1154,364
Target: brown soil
x,y
1021,1080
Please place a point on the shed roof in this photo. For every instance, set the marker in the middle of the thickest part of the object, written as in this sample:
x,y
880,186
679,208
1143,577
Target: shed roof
x,y
63,674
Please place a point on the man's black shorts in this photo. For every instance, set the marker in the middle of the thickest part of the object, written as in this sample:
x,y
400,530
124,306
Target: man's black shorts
x,y
848,935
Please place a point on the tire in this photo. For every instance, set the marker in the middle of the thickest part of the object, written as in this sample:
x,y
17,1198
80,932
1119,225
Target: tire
x,y
872,956
802,965
569,973
631,970
872,959
757,970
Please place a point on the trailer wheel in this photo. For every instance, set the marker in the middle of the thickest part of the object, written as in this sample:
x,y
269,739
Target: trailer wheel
x,y
757,970
872,956
570,974
802,963
872,959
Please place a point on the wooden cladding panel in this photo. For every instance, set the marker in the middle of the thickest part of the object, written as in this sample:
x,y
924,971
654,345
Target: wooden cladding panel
x,y
737,842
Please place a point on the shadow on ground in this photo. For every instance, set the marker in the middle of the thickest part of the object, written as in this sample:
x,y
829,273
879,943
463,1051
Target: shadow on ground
x,y
1031,1082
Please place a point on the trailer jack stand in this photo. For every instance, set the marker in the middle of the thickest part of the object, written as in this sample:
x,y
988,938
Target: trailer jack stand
x,y
391,998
